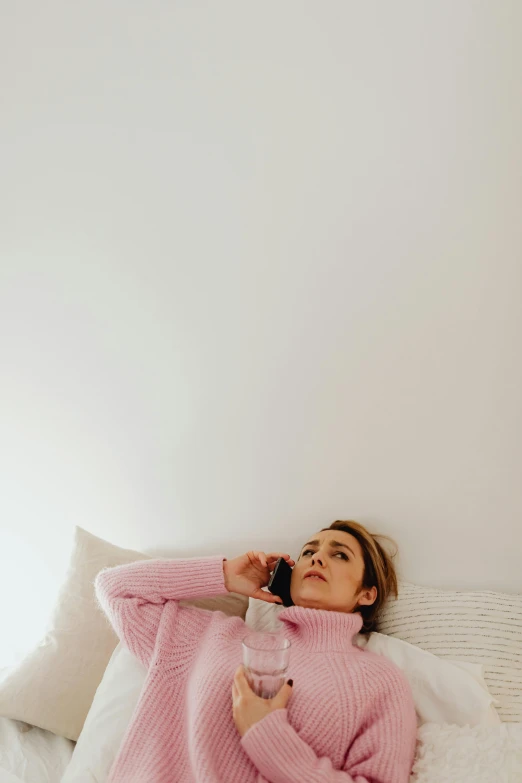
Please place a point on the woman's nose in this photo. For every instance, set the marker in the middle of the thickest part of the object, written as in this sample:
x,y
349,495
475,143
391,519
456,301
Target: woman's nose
x,y
317,558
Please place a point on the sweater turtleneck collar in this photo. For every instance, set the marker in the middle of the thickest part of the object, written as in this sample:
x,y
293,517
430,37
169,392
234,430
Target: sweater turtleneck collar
x,y
319,630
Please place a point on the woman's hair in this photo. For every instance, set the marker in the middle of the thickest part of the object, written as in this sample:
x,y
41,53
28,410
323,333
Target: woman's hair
x,y
379,569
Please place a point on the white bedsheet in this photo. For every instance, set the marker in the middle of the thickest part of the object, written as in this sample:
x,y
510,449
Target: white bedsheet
x,y
31,755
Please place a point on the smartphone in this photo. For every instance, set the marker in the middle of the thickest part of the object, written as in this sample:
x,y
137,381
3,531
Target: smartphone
x,y
279,583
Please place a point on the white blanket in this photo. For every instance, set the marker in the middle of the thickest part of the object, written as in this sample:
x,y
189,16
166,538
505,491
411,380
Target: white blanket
x,y
455,754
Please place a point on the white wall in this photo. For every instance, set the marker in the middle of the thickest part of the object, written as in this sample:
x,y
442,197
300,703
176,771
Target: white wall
x,y
260,270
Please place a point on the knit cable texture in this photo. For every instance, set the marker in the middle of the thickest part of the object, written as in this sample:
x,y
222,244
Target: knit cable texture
x,y
350,718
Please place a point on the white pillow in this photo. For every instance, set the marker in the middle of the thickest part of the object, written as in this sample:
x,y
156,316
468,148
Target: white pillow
x,y
78,644
479,627
54,684
443,691
108,718
263,616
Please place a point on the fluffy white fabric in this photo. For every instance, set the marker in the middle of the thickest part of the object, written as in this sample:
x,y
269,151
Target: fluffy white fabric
x,y
456,754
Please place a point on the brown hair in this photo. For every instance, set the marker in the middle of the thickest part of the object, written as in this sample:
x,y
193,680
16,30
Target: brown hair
x,y
379,570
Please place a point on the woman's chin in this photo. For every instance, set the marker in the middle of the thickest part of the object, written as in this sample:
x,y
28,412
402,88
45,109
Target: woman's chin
x,y
309,601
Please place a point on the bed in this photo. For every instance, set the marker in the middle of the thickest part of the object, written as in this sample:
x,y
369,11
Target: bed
x,y
445,754
65,706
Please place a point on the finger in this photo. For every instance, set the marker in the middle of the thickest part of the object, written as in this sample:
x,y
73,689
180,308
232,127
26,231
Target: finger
x,y
241,683
262,558
274,556
282,697
263,595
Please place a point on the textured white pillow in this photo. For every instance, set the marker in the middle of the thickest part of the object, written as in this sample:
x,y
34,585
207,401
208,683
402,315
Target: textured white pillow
x,y
481,627
443,691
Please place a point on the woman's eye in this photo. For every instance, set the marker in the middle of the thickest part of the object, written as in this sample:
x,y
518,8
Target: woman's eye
x,y
345,557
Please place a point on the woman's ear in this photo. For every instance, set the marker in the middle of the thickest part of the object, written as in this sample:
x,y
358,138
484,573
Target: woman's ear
x,y
367,597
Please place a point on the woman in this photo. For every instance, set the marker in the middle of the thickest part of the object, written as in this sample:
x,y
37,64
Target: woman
x,y
345,715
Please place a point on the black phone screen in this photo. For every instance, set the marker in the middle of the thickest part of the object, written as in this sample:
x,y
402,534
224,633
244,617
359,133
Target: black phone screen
x,y
279,583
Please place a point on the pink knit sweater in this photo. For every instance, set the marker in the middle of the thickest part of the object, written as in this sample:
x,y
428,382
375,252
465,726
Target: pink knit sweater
x,y
350,718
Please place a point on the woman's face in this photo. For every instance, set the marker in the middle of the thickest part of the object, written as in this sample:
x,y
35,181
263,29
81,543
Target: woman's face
x,y
337,557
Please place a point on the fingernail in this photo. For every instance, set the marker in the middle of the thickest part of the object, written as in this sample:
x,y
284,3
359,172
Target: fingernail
x,y
290,683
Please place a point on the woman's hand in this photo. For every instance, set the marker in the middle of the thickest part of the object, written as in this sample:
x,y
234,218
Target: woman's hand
x,y
247,708
247,574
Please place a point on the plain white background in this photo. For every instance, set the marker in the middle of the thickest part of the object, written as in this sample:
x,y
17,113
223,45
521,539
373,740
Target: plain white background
x,y
260,270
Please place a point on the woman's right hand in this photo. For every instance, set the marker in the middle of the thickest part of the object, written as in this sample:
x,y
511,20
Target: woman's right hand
x,y
248,573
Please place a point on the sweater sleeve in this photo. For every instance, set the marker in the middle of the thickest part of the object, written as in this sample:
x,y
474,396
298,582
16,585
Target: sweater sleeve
x,y
134,595
382,752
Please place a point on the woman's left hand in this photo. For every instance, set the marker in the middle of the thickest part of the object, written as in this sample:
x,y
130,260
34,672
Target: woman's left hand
x,y
247,708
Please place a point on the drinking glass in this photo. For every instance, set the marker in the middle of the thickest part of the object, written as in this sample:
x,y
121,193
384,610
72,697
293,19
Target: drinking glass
x,y
265,657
